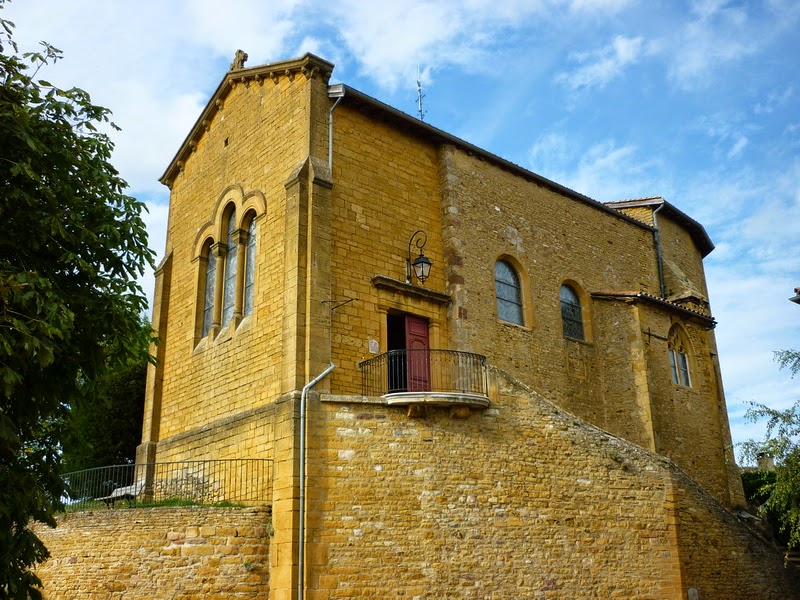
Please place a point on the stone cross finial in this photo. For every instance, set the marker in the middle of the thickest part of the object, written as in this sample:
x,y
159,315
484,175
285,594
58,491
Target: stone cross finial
x,y
239,60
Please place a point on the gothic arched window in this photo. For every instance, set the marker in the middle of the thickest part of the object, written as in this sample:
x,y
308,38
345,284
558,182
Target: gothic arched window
x,y
509,293
229,289
250,267
571,313
678,350
209,282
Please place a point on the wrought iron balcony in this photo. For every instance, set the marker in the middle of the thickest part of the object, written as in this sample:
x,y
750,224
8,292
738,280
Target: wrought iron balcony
x,y
442,376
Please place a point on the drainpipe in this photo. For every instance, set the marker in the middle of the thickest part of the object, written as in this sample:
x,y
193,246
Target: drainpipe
x,y
334,91
659,257
302,529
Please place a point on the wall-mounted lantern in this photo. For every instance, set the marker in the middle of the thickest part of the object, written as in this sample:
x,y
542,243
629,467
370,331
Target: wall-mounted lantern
x,y
421,265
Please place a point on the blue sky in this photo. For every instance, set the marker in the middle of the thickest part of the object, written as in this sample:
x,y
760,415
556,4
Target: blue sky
x,y
695,101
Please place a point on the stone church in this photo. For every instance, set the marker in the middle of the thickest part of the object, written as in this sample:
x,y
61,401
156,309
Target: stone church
x,y
472,381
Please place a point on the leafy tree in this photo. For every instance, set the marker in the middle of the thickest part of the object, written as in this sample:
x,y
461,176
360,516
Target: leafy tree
x,y
789,359
757,486
71,248
105,428
781,495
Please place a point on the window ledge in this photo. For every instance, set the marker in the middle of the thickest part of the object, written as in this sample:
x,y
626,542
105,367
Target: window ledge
x,y
201,345
244,323
687,388
225,334
514,325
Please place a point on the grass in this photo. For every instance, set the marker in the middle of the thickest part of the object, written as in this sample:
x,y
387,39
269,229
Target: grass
x,y
88,505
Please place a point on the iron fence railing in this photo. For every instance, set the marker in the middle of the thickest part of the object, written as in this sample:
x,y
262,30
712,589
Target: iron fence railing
x,y
245,481
447,371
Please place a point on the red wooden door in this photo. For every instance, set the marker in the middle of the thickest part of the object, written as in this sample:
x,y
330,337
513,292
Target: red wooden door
x,y
418,353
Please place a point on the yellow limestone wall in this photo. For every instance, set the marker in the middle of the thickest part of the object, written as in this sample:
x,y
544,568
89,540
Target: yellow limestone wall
x,y
255,140
522,500
158,553
386,188
319,245
389,183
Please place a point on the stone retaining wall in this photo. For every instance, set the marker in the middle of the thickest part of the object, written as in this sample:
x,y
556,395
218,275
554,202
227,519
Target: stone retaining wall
x,y
155,553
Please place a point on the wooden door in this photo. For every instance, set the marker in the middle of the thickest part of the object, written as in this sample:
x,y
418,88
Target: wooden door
x,y
418,354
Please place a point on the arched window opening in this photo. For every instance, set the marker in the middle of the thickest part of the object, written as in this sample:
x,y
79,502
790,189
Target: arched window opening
x,y
678,347
508,292
250,267
571,313
227,266
229,290
209,283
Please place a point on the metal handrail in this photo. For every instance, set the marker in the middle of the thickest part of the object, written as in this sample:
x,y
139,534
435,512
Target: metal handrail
x,y
439,371
246,481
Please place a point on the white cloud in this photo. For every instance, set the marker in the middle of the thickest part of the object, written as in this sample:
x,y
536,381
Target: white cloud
x,y
791,131
259,28
700,50
605,171
707,8
606,6
722,34
550,154
728,131
391,39
749,287
153,126
738,147
773,101
602,66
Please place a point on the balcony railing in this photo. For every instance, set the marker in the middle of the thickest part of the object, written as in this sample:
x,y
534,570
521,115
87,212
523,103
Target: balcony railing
x,y
437,371
203,482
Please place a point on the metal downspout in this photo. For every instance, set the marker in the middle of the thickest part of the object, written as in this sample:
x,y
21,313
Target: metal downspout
x,y
302,529
659,257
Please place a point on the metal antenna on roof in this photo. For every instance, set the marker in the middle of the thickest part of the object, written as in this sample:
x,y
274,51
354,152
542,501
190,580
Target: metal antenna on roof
x,y
420,96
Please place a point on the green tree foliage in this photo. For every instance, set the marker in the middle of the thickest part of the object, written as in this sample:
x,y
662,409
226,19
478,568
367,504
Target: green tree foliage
x,y
105,428
71,248
757,486
789,359
781,496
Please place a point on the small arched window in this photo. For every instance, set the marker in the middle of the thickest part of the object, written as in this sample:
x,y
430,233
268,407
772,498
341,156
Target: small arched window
x,y
508,292
571,313
678,350
209,283
250,267
229,290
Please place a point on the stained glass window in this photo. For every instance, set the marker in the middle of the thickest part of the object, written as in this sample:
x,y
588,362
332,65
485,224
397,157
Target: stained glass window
x,y
208,295
571,313
509,293
678,359
229,291
250,267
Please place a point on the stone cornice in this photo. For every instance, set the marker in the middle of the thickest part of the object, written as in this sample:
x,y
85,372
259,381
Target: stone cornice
x,y
408,289
706,320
